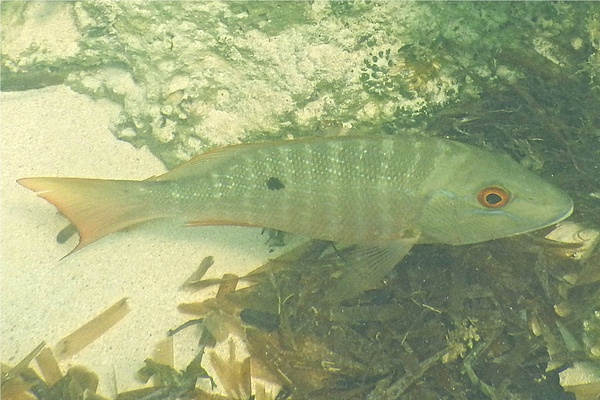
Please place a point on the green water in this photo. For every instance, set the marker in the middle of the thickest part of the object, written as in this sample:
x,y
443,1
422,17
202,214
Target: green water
x,y
515,77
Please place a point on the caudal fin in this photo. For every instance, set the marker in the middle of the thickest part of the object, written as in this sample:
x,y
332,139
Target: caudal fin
x,y
96,207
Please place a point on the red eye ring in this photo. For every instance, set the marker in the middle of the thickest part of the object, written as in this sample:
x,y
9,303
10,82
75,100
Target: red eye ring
x,y
493,197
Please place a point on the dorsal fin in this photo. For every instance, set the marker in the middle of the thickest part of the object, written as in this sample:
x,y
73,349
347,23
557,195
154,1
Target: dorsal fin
x,y
205,161
202,162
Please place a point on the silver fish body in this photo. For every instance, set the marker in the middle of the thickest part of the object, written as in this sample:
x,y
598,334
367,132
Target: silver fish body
x,y
370,190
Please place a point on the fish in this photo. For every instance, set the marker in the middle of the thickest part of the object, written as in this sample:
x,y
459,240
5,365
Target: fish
x,y
382,194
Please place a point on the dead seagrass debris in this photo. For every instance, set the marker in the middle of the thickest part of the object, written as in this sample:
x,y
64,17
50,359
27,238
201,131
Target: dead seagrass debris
x,y
23,383
92,330
465,330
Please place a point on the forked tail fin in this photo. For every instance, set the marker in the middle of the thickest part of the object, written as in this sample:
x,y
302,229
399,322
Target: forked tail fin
x,y
96,207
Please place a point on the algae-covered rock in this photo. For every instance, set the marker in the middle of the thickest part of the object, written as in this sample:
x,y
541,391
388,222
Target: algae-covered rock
x,y
194,74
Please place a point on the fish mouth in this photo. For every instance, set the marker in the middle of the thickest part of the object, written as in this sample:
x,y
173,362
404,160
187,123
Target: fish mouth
x,y
566,214
563,212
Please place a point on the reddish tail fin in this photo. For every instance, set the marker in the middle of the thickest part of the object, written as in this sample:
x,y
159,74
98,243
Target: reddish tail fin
x,y
96,207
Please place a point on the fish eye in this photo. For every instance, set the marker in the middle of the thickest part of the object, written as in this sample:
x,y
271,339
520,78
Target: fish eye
x,y
493,197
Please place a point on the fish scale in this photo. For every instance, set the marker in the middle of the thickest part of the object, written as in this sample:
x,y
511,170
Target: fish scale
x,y
325,183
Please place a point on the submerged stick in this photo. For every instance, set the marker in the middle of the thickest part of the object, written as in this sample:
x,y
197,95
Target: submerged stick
x,y
92,330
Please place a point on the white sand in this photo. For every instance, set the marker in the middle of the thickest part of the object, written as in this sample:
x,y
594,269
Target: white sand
x,y
56,132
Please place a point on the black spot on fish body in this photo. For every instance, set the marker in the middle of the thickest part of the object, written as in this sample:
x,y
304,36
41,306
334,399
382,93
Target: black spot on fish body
x,y
275,184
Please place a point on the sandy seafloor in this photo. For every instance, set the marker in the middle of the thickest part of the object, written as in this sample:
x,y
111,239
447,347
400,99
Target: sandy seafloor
x,y
56,132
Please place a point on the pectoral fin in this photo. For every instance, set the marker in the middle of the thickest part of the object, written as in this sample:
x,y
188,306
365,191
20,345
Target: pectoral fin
x,y
365,267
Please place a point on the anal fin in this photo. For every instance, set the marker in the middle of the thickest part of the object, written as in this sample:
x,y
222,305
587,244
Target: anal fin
x,y
365,267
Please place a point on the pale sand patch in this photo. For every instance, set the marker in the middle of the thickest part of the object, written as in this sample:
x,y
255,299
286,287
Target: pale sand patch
x,y
56,132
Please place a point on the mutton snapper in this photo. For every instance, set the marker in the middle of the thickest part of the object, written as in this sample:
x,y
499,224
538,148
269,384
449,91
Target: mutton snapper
x,y
381,193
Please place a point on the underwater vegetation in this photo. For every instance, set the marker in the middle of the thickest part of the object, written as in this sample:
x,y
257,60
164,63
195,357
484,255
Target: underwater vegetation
x,y
463,322
506,319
